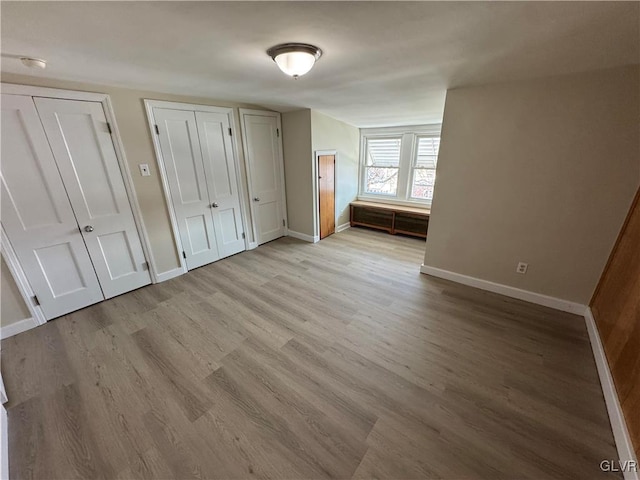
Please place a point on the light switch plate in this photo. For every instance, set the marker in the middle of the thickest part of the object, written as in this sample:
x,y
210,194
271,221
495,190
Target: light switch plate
x,y
144,170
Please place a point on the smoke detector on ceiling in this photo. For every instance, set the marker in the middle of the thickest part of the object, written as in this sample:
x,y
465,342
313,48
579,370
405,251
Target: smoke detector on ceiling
x,y
33,62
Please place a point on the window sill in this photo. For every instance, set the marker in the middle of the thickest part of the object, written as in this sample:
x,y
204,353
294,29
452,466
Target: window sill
x,y
391,201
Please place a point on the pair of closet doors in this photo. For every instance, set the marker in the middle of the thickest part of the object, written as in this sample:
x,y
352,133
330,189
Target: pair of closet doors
x,y
65,208
199,167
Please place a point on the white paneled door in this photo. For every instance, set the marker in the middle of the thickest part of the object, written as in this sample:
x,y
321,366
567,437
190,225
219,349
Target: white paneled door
x,y
188,185
37,216
263,150
222,182
80,139
200,171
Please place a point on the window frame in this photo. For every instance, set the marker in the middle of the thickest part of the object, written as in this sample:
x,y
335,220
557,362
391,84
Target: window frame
x,y
414,161
410,136
363,163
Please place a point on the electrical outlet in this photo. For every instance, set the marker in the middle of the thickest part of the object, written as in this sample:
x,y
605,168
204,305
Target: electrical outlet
x,y
522,268
144,170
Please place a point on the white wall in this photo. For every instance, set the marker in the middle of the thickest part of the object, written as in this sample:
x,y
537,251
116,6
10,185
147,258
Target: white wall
x,y
540,171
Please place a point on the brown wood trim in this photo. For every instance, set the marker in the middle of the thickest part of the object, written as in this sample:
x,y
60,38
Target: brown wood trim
x,y
413,234
370,225
634,204
423,212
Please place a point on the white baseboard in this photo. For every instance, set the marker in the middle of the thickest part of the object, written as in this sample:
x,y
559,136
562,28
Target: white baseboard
x,y
527,296
4,445
303,236
18,327
169,274
616,416
343,227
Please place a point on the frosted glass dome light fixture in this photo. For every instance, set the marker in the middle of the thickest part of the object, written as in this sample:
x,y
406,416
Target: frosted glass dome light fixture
x,y
295,59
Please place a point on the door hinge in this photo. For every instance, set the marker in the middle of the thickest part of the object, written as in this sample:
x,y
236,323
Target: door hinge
x,y
109,128
36,302
230,132
157,129
184,255
243,235
277,132
283,223
145,265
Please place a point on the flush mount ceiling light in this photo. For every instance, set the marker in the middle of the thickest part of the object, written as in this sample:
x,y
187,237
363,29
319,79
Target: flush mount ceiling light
x,y
33,62
295,59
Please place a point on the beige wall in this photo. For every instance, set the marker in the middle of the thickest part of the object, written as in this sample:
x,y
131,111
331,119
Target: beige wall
x,y
541,171
132,123
298,160
13,308
330,134
304,132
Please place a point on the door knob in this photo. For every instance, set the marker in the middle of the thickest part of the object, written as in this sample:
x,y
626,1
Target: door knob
x,y
256,199
214,205
88,228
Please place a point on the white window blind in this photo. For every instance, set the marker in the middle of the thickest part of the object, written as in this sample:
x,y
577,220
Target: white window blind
x,y
427,152
383,152
424,168
382,165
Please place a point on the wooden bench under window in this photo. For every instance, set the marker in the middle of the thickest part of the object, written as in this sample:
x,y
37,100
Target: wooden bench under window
x,y
390,218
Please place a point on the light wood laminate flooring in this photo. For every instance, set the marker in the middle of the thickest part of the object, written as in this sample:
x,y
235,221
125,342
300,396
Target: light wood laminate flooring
x,y
307,361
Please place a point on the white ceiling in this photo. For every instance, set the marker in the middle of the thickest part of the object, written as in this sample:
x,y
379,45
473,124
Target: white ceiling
x,y
384,63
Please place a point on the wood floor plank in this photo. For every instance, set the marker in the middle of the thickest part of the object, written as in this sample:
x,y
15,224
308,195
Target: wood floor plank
x,y
298,360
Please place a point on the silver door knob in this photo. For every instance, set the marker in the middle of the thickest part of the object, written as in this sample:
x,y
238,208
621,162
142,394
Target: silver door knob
x,y
214,205
256,199
88,228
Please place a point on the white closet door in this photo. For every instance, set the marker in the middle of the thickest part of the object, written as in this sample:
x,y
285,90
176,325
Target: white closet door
x,y
222,184
81,143
178,135
37,215
265,171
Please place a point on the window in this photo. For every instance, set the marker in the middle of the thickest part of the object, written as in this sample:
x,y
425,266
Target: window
x,y
382,165
424,168
399,163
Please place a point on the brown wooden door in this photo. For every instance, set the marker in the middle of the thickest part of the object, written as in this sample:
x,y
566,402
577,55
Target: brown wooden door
x,y
326,192
616,306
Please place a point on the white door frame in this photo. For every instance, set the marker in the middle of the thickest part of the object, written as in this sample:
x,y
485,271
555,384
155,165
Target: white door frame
x,y
264,113
105,100
316,188
21,281
149,105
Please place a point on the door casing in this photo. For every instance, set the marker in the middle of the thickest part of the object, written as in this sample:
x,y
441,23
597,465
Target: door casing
x,y
316,190
105,100
331,215
243,113
149,105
